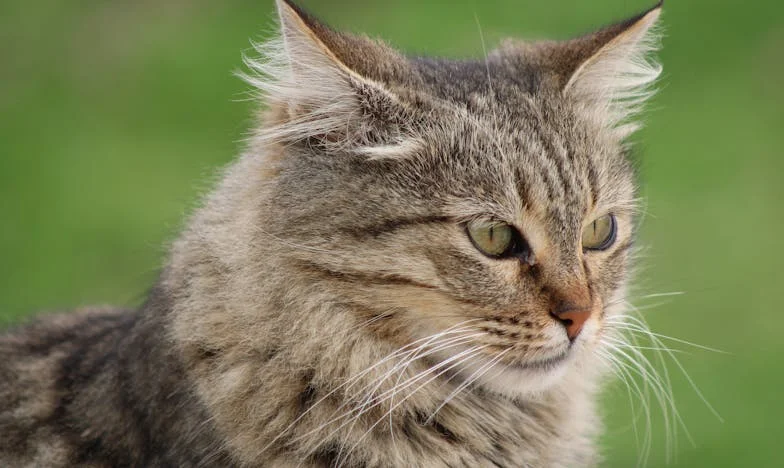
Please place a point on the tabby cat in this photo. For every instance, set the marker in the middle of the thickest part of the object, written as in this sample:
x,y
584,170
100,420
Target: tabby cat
x,y
415,263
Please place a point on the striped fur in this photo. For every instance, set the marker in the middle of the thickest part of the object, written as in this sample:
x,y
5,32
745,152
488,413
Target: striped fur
x,y
324,307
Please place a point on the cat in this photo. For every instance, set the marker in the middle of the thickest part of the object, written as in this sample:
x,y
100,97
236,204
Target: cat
x,y
416,262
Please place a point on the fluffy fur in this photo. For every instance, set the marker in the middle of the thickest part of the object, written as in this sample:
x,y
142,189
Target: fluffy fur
x,y
324,307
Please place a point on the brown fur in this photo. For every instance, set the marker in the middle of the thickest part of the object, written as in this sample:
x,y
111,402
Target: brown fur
x,y
339,240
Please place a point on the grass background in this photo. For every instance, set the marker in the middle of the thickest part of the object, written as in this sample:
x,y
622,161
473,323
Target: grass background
x,y
114,114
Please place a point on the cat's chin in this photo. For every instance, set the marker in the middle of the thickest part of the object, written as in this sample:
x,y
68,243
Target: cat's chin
x,y
525,378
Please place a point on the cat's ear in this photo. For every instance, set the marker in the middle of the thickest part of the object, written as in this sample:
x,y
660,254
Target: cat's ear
x,y
612,69
326,85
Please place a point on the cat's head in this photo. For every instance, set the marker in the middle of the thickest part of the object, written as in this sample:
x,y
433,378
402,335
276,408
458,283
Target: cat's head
x,y
488,204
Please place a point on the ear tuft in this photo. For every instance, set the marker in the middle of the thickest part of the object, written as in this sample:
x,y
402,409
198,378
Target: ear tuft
x,y
315,94
618,73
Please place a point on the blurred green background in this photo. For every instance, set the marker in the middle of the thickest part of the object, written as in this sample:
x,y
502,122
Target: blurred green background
x,y
115,114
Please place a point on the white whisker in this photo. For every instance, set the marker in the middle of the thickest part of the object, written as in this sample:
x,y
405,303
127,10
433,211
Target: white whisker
x,y
620,370
408,383
351,381
655,337
644,330
379,399
467,353
626,353
471,379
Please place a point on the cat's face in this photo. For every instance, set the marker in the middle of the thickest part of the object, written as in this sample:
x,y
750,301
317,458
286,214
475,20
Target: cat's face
x,y
485,208
535,216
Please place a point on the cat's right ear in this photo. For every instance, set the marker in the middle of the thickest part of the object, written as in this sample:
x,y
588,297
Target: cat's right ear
x,y
326,85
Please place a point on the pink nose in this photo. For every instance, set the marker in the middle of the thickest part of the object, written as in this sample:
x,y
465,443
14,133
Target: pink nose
x,y
573,318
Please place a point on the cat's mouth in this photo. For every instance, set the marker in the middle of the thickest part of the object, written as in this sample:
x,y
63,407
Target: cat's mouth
x,y
521,375
540,364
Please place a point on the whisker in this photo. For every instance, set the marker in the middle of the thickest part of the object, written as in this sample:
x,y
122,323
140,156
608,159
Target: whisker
x,y
670,429
401,367
469,352
351,381
471,379
619,370
636,325
647,348
663,393
663,294
647,332
363,408
382,398
654,337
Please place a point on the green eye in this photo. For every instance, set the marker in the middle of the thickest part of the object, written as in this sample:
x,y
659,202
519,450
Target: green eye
x,y
494,239
600,234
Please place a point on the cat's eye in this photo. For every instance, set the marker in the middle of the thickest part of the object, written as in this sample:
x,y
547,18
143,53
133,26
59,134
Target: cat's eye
x,y
600,234
496,239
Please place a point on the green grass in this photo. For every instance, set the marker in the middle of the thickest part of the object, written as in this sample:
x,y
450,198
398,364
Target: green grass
x,y
114,116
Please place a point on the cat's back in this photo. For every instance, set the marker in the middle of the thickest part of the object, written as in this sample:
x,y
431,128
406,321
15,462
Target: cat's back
x,y
94,387
41,366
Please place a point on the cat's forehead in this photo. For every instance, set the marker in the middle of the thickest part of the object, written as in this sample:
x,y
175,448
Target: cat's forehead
x,y
464,81
530,168
517,143
518,109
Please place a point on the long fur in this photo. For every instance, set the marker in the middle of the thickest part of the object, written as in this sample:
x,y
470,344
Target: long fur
x,y
325,306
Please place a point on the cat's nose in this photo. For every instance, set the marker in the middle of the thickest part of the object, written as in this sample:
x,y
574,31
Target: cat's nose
x,y
573,317
572,308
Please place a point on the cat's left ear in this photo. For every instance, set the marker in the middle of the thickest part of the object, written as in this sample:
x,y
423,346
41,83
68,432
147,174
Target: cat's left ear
x,y
612,69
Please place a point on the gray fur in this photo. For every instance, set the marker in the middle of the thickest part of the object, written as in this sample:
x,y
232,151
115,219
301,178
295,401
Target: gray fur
x,y
338,239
